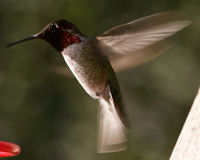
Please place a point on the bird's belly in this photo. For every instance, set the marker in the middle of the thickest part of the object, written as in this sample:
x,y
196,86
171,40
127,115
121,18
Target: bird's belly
x,y
89,74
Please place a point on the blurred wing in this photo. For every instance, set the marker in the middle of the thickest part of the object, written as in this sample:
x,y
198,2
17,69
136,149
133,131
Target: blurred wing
x,y
61,70
120,63
136,37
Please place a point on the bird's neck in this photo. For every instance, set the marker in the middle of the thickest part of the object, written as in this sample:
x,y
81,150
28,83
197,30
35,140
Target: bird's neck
x,y
75,47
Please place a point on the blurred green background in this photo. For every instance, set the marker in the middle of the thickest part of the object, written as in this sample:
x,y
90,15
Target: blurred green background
x,y
51,117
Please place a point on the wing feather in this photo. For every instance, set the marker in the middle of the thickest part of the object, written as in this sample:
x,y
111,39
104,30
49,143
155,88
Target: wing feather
x,y
134,36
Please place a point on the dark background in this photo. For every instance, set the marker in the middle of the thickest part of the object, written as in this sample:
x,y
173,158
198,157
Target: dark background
x,y
51,117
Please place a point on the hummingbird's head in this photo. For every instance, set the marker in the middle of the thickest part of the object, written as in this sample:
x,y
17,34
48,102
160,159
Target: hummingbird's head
x,y
59,34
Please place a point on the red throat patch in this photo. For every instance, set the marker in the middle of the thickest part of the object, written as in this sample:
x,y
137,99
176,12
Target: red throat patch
x,y
70,39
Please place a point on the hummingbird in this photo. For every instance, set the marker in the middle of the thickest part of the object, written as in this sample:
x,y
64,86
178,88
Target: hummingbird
x,y
90,58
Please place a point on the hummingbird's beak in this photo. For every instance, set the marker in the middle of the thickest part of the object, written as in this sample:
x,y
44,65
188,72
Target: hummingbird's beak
x,y
23,40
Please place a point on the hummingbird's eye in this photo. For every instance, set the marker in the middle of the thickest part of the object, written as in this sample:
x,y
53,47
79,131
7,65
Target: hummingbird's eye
x,y
52,27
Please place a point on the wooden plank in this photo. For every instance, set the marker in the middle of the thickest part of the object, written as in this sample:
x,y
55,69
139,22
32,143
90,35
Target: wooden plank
x,y
188,143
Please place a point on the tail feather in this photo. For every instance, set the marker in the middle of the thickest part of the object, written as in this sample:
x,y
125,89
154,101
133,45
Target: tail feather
x,y
112,131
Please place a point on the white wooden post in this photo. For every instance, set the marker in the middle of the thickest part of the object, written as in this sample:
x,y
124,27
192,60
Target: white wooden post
x,y
188,143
